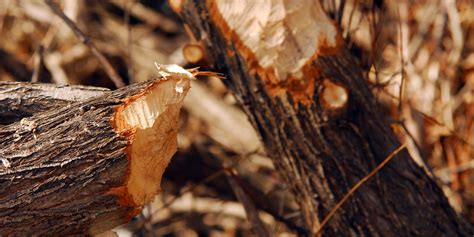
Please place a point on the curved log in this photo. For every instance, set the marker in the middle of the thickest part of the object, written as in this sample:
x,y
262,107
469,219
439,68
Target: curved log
x,y
91,165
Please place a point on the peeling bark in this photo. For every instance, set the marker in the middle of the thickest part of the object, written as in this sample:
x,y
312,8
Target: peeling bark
x,y
320,151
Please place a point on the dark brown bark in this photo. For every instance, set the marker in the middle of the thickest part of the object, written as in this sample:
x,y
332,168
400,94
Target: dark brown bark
x,y
51,175
321,154
67,170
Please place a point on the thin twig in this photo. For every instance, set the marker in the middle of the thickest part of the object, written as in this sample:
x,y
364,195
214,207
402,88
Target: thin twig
x,y
113,75
4,14
456,31
402,55
252,213
433,120
348,29
208,179
14,67
357,186
38,64
374,36
340,11
129,40
417,146
190,33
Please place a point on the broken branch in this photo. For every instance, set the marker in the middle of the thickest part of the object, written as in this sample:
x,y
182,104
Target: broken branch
x,y
90,166
113,75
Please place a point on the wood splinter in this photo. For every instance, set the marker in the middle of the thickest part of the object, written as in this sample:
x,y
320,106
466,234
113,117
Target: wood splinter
x,y
91,165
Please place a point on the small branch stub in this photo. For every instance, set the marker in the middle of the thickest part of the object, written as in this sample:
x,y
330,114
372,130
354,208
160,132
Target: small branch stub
x,y
193,53
333,96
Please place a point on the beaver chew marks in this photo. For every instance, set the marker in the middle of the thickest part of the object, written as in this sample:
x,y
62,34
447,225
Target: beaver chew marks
x,y
282,37
150,121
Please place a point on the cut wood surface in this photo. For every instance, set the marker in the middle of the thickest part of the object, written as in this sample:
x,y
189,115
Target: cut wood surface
x,y
91,165
311,104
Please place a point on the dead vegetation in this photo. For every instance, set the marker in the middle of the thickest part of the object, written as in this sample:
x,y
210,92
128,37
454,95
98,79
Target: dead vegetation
x,y
420,59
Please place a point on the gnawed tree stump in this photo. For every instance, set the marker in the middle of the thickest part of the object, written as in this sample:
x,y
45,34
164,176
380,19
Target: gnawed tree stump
x,y
304,92
91,165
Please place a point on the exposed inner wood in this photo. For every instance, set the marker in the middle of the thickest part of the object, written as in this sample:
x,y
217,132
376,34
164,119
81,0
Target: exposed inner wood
x,y
152,120
279,39
333,96
282,35
193,53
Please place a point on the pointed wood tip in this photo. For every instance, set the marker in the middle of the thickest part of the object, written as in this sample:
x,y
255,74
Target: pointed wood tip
x,y
149,120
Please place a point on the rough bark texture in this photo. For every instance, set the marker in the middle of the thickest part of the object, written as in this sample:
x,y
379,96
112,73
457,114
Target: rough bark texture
x,y
19,100
321,153
67,170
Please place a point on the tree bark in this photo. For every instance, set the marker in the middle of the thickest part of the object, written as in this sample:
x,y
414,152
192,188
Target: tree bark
x,y
19,99
318,119
91,165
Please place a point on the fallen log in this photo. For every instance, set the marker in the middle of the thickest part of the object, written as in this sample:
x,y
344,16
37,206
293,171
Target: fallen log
x,y
90,165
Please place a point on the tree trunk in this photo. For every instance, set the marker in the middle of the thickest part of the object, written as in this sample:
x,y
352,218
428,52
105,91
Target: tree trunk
x,y
90,165
310,102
